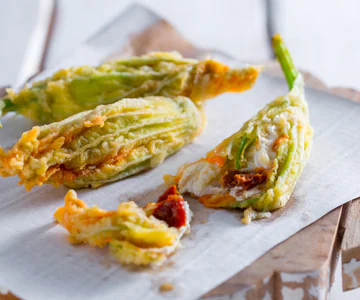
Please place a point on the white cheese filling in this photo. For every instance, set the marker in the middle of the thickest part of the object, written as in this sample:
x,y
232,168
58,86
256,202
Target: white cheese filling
x,y
198,179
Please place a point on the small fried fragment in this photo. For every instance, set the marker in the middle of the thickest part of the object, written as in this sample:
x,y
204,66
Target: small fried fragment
x,y
166,287
134,235
250,215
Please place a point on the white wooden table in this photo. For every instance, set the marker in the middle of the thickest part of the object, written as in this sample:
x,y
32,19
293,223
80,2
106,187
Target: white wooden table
x,y
322,36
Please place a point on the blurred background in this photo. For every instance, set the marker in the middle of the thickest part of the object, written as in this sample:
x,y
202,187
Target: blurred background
x,y
321,34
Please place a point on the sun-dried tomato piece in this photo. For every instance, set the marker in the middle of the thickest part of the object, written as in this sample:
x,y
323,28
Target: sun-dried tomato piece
x,y
171,208
243,179
170,191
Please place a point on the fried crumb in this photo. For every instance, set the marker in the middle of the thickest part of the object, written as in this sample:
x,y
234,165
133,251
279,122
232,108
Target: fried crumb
x,y
250,214
166,287
204,221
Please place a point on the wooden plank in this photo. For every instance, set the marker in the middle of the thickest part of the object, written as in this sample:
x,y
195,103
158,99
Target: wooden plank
x,y
8,296
298,267
351,248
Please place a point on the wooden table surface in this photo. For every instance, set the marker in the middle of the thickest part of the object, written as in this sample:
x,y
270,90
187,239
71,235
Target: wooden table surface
x,y
320,35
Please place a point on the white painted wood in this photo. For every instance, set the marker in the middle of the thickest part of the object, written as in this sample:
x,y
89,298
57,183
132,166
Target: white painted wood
x,y
336,292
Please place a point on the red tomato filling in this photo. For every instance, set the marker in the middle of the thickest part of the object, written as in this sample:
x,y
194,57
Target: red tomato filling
x,y
171,208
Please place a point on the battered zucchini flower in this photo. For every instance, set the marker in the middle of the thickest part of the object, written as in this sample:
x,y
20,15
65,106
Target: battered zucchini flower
x,y
139,236
73,90
106,144
258,166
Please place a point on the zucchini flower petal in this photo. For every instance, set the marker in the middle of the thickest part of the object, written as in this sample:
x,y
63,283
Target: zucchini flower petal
x,y
134,235
77,89
104,145
258,166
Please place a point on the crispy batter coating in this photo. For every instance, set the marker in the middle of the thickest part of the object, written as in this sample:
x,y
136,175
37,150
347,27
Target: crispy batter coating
x,y
77,89
134,235
104,145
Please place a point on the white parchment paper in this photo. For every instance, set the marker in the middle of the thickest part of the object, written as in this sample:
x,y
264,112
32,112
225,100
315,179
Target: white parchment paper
x,y
37,262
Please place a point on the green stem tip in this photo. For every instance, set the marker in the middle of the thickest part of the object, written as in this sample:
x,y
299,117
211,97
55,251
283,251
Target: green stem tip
x,y
285,60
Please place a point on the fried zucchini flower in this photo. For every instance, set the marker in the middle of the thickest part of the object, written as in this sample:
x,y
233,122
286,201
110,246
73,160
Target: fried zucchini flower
x,y
73,90
135,235
258,166
104,145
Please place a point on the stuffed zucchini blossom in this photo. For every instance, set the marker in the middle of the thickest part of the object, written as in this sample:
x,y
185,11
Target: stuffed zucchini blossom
x,y
257,167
